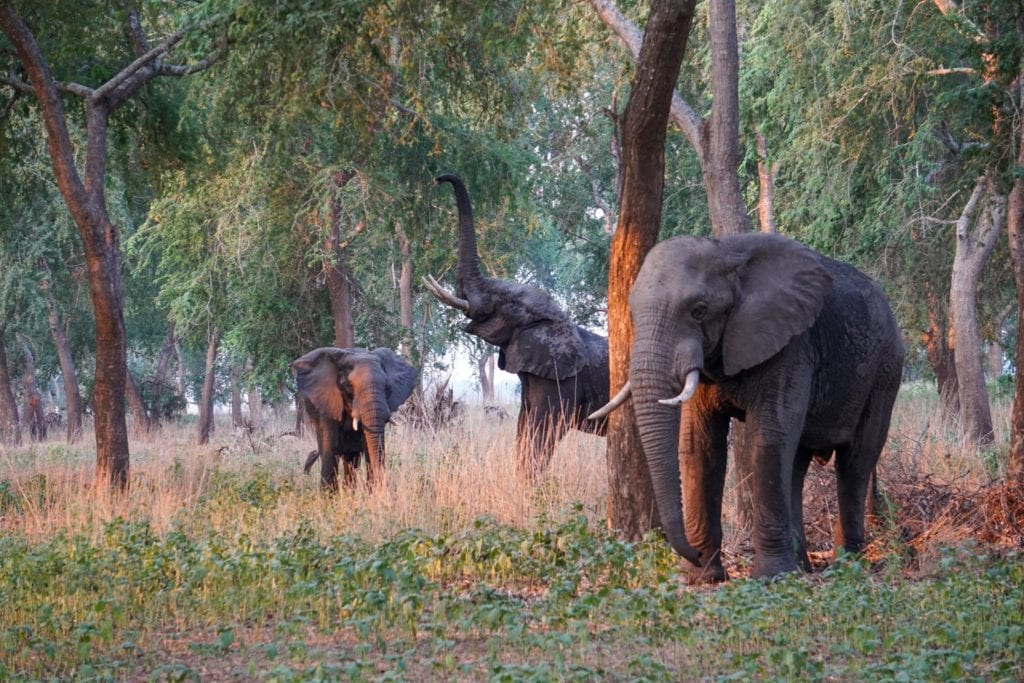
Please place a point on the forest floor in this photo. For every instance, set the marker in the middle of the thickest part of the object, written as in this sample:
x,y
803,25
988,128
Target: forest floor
x,y
225,562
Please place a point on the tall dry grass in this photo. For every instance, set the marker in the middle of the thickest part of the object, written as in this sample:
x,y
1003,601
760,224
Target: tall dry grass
x,y
439,481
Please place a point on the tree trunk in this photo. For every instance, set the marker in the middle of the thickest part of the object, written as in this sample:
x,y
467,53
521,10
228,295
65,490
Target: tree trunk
x,y
206,400
163,363
631,507
300,416
485,369
339,285
973,249
405,293
767,172
67,365
32,407
237,420
1015,228
255,409
179,375
85,198
137,404
941,357
10,429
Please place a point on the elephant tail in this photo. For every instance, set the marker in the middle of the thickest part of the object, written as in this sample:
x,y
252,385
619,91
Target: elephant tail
x,y
310,459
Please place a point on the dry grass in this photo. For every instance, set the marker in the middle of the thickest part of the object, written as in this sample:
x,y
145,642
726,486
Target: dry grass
x,y
938,488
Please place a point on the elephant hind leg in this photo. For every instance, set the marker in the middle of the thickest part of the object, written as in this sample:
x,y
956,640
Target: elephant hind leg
x,y
796,501
855,468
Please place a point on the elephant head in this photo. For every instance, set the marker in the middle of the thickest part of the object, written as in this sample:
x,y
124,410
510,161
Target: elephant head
x,y
705,310
357,389
534,334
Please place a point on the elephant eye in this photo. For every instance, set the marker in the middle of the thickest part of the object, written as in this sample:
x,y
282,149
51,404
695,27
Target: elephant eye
x,y
698,312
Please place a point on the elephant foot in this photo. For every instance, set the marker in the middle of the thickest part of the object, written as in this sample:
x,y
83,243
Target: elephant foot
x,y
768,567
711,572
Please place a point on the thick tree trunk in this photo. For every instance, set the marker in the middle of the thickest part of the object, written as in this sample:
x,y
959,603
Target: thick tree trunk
x,y
339,284
10,429
1015,228
973,249
721,159
405,292
67,366
255,409
32,406
206,400
631,506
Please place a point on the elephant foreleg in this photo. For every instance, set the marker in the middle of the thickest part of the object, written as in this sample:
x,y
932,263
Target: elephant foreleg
x,y
543,421
702,452
539,430
327,442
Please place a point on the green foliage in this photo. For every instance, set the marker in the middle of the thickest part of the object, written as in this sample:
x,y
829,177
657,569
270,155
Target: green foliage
x,y
561,600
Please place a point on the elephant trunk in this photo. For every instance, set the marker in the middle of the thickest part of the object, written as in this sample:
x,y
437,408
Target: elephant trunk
x,y
375,413
653,375
468,268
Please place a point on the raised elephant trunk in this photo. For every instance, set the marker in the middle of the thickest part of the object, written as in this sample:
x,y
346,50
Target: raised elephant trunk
x,y
652,375
468,268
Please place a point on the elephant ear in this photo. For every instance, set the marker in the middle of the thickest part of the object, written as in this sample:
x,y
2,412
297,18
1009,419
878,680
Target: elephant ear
x,y
316,375
782,288
401,377
551,349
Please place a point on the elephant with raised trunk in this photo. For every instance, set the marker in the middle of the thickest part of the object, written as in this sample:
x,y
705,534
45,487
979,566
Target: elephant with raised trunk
x,y
349,395
563,368
803,349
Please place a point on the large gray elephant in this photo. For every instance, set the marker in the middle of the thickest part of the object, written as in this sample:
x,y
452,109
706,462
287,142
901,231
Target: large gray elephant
x,y
804,349
563,368
349,395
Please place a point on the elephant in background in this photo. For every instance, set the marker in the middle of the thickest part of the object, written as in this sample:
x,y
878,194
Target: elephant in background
x,y
562,368
804,349
349,395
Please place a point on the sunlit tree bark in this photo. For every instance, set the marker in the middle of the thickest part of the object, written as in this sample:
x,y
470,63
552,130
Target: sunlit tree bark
x,y
631,507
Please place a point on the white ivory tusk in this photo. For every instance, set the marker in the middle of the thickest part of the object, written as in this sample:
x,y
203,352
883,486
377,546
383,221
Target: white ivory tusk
x,y
444,296
692,379
616,401
355,424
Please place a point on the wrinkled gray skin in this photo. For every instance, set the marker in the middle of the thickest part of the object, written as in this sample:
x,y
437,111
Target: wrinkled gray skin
x,y
804,349
349,395
562,367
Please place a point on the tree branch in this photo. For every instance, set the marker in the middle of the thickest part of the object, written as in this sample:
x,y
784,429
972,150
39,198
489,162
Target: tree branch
x,y
689,122
947,71
148,64
964,222
45,89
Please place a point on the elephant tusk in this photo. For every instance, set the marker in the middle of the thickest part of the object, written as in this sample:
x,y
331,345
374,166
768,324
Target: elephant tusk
x,y
616,401
444,296
692,379
355,424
